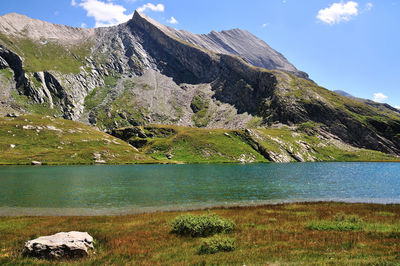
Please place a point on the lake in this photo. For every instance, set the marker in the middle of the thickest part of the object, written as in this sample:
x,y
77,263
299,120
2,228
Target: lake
x,y
98,190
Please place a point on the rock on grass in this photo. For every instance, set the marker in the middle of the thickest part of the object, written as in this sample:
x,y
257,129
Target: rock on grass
x,y
61,245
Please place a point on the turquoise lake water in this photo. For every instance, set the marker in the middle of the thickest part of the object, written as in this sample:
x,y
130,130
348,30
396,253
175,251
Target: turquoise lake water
x,y
92,190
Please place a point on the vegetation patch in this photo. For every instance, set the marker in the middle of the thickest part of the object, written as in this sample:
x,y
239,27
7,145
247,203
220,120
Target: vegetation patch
x,y
200,226
96,97
7,73
201,109
341,222
24,102
50,55
216,244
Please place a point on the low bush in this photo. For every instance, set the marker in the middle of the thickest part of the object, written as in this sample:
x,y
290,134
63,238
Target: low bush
x,y
340,222
200,226
217,244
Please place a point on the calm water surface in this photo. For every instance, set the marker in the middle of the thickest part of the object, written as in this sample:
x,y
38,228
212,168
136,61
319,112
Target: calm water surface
x,y
91,190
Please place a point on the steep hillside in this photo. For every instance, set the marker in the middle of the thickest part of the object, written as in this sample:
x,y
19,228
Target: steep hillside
x,y
142,73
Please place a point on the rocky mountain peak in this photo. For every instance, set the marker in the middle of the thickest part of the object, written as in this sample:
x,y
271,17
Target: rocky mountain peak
x,y
18,25
231,42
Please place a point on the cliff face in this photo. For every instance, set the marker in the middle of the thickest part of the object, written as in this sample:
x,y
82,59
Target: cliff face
x,y
142,72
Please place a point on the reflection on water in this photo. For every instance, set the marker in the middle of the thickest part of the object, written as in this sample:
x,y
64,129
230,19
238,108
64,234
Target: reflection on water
x,y
92,190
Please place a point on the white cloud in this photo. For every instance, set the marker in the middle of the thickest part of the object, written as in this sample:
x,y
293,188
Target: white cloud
x,y
379,97
172,20
397,107
83,25
369,6
73,3
105,14
264,25
338,12
152,7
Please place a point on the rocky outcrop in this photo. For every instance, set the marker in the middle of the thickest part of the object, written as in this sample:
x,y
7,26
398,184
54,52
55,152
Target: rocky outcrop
x,y
61,245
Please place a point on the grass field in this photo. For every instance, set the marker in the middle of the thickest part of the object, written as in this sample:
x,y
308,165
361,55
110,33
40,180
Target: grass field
x,y
303,233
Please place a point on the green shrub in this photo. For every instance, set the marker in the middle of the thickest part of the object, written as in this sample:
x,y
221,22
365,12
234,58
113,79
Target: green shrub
x,y
341,222
217,244
204,225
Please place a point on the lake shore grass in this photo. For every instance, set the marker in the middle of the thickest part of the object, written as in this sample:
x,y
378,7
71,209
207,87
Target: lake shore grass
x,y
295,233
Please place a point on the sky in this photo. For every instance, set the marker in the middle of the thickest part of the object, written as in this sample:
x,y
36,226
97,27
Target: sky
x,y
343,45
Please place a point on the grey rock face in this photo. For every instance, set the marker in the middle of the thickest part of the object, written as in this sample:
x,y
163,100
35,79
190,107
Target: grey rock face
x,y
242,43
61,245
3,63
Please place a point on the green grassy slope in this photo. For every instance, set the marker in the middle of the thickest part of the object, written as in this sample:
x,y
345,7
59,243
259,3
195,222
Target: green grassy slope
x,y
49,55
193,145
196,145
57,141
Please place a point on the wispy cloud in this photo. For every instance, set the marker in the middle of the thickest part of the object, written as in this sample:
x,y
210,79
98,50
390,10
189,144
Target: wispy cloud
x,y
105,14
379,97
264,25
369,6
338,12
152,7
397,107
73,3
172,20
83,25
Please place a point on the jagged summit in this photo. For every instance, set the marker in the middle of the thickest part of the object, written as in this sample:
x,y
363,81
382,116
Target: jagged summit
x,y
18,25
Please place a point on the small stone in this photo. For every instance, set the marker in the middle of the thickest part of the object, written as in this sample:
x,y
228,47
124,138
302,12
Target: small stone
x,y
12,115
169,156
36,163
61,245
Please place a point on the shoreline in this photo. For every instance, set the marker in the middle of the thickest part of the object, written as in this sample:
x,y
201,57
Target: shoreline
x,y
106,212
195,163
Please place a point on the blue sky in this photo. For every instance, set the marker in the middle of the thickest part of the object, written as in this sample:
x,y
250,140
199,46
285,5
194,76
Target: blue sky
x,y
343,45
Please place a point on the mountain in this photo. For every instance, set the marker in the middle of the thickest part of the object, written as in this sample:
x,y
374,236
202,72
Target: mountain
x,y
343,93
381,106
142,73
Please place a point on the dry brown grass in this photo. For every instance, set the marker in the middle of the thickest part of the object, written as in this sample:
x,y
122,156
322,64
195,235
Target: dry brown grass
x,y
265,234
